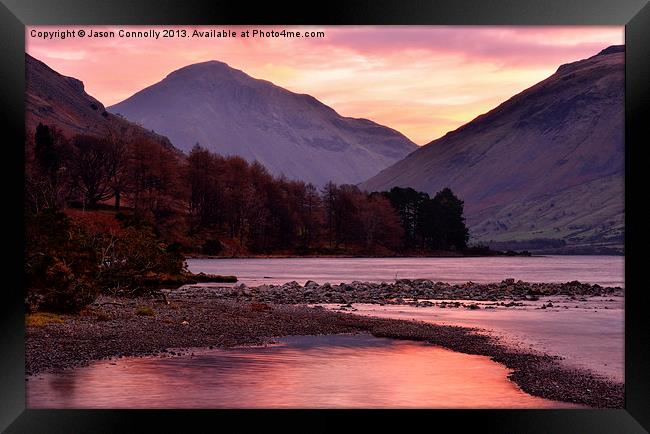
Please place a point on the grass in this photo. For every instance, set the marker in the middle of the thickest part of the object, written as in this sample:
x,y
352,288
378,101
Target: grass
x,y
97,314
144,311
40,319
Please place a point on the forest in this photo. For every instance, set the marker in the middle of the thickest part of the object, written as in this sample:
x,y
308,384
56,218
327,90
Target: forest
x,y
106,212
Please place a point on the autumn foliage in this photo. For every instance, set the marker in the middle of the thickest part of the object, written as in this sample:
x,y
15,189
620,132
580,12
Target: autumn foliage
x,y
106,213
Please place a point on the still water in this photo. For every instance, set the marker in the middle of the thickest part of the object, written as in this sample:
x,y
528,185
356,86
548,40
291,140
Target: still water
x,y
341,371
602,270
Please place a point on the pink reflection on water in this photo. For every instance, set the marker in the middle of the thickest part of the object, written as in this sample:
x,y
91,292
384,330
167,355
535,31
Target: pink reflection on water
x,y
357,371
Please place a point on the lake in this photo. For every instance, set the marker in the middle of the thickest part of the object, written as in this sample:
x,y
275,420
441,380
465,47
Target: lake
x,y
361,371
341,371
602,270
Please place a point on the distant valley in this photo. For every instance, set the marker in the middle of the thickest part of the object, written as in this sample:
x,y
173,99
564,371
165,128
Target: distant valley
x,y
544,170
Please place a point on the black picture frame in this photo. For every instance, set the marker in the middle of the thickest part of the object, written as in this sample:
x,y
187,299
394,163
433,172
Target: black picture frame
x,y
634,14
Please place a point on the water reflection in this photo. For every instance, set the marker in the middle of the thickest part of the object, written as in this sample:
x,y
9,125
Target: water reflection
x,y
340,371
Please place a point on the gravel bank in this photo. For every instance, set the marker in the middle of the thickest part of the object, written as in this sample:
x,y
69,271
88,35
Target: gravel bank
x,y
404,291
111,328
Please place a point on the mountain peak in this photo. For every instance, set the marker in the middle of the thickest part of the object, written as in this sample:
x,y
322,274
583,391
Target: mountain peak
x,y
612,49
232,113
210,67
569,67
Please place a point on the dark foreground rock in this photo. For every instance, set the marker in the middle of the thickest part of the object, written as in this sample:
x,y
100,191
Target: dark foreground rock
x,y
113,328
405,291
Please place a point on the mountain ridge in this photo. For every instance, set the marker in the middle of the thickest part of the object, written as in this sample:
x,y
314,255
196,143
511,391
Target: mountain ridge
x,y
231,113
561,133
54,99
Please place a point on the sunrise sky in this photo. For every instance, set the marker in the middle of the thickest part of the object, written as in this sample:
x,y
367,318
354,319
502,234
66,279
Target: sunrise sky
x,y
421,81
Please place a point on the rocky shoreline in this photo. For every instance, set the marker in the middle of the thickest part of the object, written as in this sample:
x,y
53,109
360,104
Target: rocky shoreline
x,y
122,327
405,291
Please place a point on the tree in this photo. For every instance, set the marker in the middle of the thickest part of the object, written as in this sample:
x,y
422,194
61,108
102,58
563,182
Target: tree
x,y
117,165
330,194
347,223
310,214
409,205
450,218
47,179
380,224
90,169
205,197
156,190
47,149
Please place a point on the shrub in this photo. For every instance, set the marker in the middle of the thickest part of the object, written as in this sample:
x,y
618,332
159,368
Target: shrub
x,y
133,255
60,264
68,262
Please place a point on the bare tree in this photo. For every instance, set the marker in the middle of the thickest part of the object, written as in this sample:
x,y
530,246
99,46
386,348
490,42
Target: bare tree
x,y
90,169
117,164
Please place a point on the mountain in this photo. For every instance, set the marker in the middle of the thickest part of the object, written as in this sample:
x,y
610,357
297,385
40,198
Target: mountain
x,y
231,113
54,99
544,170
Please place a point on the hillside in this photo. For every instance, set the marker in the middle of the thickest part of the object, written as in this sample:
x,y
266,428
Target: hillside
x,y
548,164
231,113
54,99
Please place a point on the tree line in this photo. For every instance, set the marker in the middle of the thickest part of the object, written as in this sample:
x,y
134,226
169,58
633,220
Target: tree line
x,y
212,204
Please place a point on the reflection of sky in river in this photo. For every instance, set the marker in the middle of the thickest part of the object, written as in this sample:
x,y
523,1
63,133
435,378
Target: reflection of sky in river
x,y
323,371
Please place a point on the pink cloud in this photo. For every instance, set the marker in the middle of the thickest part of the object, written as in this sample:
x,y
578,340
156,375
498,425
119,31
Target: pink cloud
x,y
420,80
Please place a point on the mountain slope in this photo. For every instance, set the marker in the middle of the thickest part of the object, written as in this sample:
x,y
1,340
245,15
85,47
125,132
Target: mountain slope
x,y
54,99
541,165
231,113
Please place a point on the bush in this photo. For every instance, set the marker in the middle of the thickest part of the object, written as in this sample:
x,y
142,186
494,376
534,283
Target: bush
x,y
60,264
133,255
68,262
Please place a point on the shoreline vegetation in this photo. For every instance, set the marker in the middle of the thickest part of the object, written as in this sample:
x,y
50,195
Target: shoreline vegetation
x,y
115,327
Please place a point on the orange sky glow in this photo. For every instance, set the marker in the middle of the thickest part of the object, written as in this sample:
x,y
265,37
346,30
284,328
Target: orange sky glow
x,y
420,80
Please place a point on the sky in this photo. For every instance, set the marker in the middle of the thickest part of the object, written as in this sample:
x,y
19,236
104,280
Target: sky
x,y
420,80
